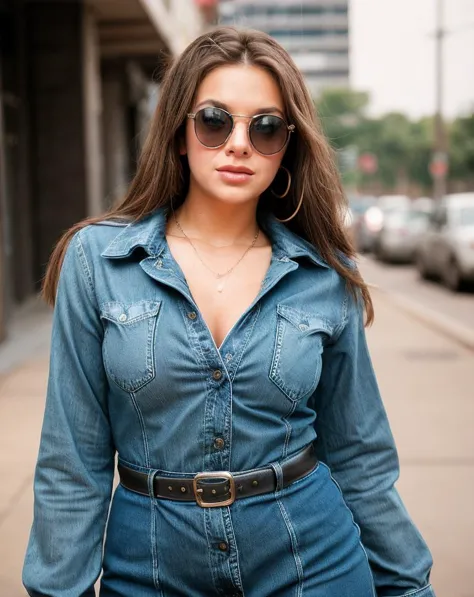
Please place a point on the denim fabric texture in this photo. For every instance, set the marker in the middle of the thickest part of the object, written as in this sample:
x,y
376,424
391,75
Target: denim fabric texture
x,y
135,373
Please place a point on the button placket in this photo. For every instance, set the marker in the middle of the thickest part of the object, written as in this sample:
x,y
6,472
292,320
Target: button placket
x,y
219,443
217,375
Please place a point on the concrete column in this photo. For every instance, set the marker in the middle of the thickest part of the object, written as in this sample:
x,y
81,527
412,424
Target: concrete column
x,y
116,158
92,96
66,156
4,262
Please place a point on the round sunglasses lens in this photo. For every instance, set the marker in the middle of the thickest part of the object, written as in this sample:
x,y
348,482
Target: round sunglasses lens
x,y
269,134
212,126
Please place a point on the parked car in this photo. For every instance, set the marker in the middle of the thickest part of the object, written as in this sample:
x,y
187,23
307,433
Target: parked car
x,y
368,227
446,250
401,231
358,205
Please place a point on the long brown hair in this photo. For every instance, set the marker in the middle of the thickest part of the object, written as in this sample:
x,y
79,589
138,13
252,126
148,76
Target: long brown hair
x,y
163,175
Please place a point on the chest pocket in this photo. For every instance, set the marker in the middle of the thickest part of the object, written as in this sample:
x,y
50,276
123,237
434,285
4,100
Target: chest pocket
x,y
129,342
297,360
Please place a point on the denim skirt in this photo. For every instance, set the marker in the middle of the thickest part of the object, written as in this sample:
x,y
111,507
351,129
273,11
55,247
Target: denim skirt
x,y
298,541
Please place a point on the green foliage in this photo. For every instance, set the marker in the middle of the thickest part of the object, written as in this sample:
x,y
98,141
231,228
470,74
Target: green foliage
x,y
462,148
403,147
340,102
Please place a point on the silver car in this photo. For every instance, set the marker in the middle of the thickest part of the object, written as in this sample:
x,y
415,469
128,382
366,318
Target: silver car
x,y
367,227
401,231
446,250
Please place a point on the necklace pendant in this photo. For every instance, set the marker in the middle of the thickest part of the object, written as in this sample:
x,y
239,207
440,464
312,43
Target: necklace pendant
x,y
220,286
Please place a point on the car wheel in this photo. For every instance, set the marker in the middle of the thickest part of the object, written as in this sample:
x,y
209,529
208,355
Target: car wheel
x,y
421,267
452,277
379,252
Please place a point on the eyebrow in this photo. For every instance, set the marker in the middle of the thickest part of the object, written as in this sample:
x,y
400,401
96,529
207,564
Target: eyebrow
x,y
219,104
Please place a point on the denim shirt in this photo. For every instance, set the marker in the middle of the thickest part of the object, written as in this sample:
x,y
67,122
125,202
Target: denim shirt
x,y
135,371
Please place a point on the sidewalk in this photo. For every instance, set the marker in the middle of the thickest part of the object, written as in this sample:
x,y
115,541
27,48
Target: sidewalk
x,y
426,380
28,335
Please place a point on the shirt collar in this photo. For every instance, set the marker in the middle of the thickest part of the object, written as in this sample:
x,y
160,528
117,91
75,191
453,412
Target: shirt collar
x,y
149,234
287,244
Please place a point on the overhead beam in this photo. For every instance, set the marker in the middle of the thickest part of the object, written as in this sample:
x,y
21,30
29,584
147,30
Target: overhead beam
x,y
160,16
118,32
131,49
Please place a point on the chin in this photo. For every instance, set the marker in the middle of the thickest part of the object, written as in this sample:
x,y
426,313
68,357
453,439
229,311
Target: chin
x,y
233,195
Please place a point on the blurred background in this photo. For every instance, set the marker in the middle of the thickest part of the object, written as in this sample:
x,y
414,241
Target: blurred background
x,y
393,84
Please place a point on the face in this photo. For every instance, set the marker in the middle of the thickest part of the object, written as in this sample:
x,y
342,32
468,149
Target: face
x,y
244,90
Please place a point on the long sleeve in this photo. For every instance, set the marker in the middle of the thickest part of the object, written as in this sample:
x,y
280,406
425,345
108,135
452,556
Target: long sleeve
x,y
74,471
355,441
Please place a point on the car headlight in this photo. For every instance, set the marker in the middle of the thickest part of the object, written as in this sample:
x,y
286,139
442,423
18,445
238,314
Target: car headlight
x,y
374,219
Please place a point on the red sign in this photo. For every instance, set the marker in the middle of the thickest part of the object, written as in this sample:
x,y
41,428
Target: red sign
x,y
438,168
205,3
368,163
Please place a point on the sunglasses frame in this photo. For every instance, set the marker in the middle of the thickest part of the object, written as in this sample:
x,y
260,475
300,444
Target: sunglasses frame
x,y
290,128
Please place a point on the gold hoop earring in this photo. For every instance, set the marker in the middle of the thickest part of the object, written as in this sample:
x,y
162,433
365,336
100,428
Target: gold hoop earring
x,y
295,212
287,186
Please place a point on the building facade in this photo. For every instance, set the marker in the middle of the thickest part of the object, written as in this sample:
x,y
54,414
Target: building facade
x,y
75,95
315,33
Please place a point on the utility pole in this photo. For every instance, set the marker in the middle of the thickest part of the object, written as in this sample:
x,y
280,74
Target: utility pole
x,y
439,164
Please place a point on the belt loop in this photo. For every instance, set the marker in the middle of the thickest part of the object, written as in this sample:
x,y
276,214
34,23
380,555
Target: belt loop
x,y
151,483
279,476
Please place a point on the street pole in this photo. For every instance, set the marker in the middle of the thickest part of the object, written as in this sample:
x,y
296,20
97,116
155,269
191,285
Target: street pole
x,y
440,145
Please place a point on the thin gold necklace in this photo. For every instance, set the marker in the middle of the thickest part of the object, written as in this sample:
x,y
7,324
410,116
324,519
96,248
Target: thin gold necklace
x,y
221,284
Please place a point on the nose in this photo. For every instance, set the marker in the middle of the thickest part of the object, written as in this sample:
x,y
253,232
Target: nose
x,y
239,143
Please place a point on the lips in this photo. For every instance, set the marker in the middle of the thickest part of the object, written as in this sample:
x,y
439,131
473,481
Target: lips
x,y
236,170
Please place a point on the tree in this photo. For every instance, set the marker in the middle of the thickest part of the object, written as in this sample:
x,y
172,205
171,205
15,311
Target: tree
x,y
461,149
402,147
340,112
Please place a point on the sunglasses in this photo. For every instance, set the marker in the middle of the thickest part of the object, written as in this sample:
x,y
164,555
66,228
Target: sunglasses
x,y
268,133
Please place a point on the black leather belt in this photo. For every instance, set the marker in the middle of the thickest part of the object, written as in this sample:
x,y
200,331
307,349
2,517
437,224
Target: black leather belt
x,y
221,488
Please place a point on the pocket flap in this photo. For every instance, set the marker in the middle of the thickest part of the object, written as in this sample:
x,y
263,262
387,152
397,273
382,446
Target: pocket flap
x,y
306,322
126,314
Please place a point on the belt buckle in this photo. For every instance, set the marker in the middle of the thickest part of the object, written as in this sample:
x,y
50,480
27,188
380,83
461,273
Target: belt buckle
x,y
214,475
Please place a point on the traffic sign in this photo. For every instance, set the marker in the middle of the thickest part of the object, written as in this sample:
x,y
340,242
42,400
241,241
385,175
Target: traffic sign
x,y
439,165
368,163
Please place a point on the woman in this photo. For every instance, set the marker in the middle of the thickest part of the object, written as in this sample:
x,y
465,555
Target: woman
x,y
209,342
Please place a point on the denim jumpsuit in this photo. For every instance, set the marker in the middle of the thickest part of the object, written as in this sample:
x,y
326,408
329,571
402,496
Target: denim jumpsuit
x,y
135,374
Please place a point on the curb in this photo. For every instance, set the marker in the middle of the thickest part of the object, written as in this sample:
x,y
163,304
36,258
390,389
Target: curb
x,y
431,318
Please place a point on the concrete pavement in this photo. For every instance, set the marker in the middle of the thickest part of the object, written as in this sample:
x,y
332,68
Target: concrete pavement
x,y
452,313
426,380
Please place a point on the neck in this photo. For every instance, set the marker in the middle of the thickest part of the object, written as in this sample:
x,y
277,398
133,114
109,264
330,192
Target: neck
x,y
217,223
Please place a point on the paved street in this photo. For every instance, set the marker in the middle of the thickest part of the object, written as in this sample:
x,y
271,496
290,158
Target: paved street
x,y
426,380
404,281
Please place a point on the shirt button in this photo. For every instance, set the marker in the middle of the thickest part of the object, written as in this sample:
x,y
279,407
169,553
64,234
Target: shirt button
x,y
159,263
219,443
223,546
217,375
123,317
303,327
192,315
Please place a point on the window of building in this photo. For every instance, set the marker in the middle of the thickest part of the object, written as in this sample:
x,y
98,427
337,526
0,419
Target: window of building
x,y
326,74
255,10
308,32
326,52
